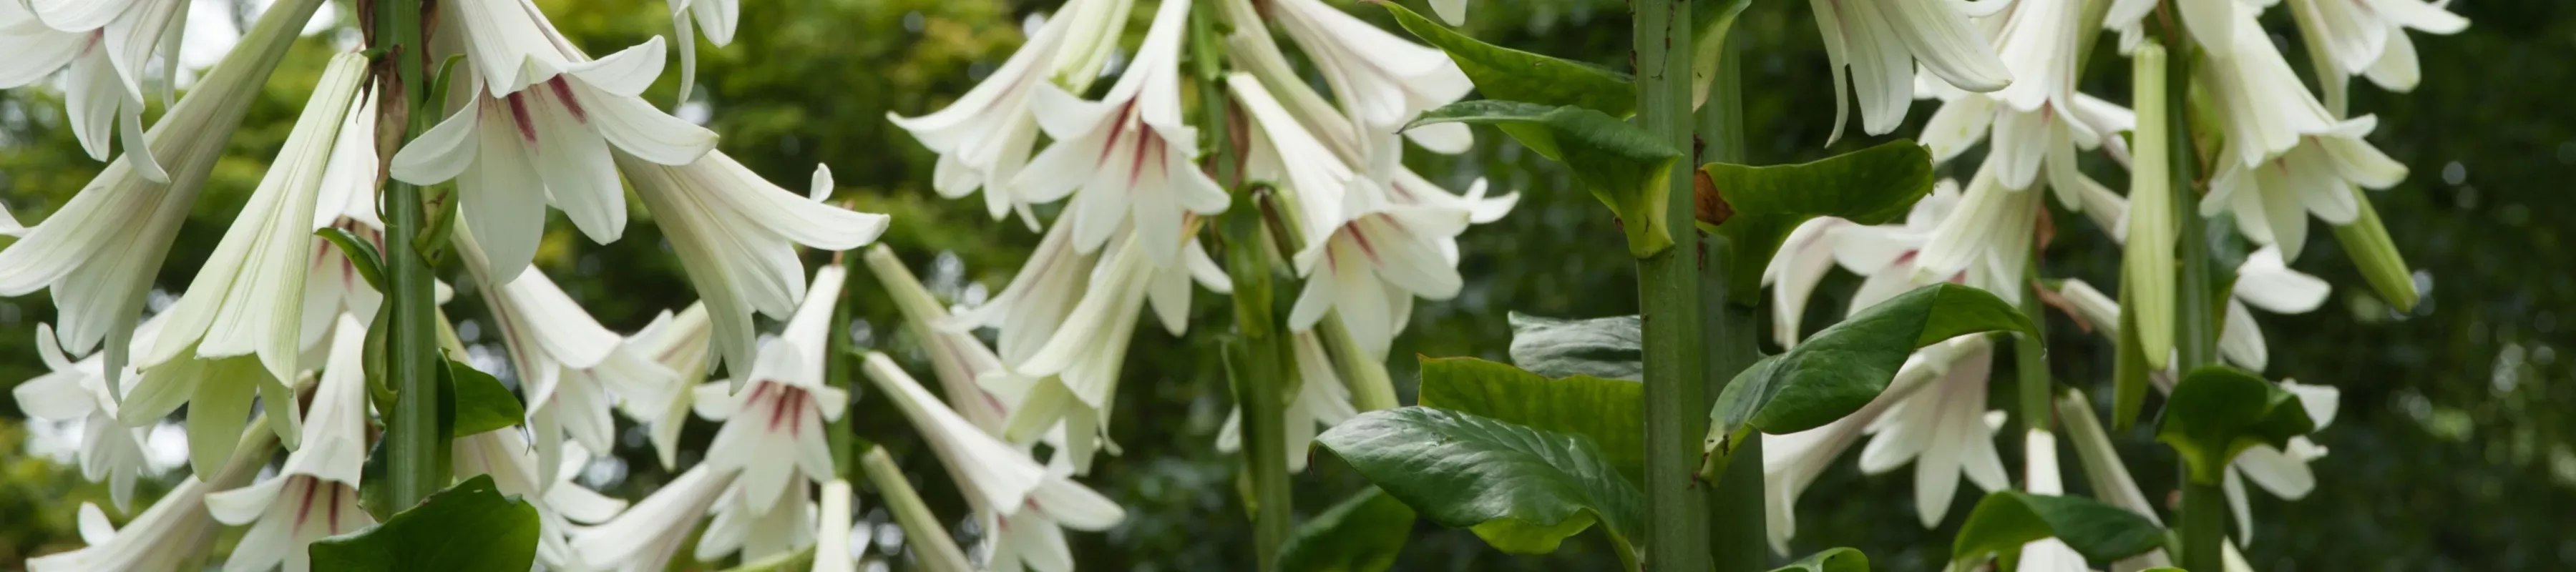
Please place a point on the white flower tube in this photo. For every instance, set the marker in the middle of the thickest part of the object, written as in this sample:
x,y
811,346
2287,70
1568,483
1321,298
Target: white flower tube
x,y
2039,450
571,368
1944,430
1880,41
78,392
173,533
1127,159
1381,80
774,430
506,456
2368,37
1077,368
2292,158
1795,271
736,234
100,251
679,343
994,474
316,493
1985,242
104,45
1792,462
644,538
984,137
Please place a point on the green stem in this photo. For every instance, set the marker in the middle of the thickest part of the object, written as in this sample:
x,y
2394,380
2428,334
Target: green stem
x,y
1260,371
1737,525
419,447
2204,526
839,359
2196,325
937,552
1677,526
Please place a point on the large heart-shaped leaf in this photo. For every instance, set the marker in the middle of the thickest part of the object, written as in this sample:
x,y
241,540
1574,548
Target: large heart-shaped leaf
x,y
1762,204
1842,368
1625,166
2217,411
1523,490
470,526
2006,520
1514,75
1609,348
1362,534
1831,560
1609,411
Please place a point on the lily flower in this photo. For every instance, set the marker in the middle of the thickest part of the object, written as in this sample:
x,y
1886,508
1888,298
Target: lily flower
x,y
78,392
171,535
961,362
1381,80
1321,400
992,473
572,368
2281,470
234,333
1795,271
1077,369
984,137
100,251
715,17
2040,465
1033,537
1945,430
2292,157
739,528
832,539
1129,155
316,493
679,344
347,201
644,538
2263,281
1880,41
105,45
736,234
506,456
560,133
1035,304
2040,121
2368,37
1986,240
1792,462
2213,23
775,429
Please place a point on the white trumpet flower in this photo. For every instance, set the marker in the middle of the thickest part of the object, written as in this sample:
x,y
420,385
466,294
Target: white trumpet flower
x,y
717,18
736,235
1792,462
316,493
1985,242
774,430
2368,37
172,535
78,392
104,45
1035,304
571,368
1945,430
559,134
680,344
984,137
2263,281
832,538
235,332
1033,537
2040,121
2040,465
739,528
1127,160
1321,400
992,473
1077,368
1381,80
2295,156
1795,271
1880,41
644,538
962,363
513,465
347,201
99,252
2213,23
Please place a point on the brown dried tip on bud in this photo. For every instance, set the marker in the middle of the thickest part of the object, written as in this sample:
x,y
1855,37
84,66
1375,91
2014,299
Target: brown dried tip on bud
x,y
1711,205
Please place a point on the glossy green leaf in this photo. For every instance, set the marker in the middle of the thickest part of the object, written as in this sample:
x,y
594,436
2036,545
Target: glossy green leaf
x,y
362,255
1870,186
1514,75
2006,520
1831,560
1609,411
2217,411
1523,490
1715,20
482,403
1845,366
1610,348
1361,534
470,526
1624,166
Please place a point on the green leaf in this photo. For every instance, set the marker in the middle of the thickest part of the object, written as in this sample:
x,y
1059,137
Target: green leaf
x,y
1523,490
2006,520
1362,534
1845,366
2218,411
1715,20
1831,560
482,403
470,526
1609,348
1609,411
1625,167
1869,186
361,254
1514,75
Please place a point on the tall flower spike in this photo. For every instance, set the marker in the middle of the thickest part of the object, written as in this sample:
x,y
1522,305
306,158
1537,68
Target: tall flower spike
x,y
100,251
1381,80
234,333
1793,461
2368,37
736,235
105,45
644,538
1944,430
78,392
775,428
1881,40
571,368
1129,156
559,133
984,137
316,493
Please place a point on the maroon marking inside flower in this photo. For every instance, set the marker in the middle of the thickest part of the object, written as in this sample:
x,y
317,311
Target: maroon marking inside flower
x,y
564,91
519,114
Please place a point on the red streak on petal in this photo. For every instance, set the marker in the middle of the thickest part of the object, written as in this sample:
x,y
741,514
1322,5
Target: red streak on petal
x,y
335,509
1362,239
1144,145
519,114
1117,128
564,91
796,426
778,409
305,509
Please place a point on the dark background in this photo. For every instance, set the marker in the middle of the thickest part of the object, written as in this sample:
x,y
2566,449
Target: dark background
x,y
2452,450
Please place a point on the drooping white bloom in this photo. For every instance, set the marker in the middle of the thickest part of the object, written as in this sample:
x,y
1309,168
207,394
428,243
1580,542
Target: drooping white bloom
x,y
1382,81
2108,476
174,532
104,45
832,548
2040,121
2039,450
644,538
2213,23
347,201
1128,158
2281,470
78,392
1795,271
100,251
1321,400
316,493
680,344
548,114
1792,462
715,17
505,455
994,474
1986,241
1033,537
571,368
970,373
1881,40
774,429
1036,302
984,137
235,332
2263,281
736,235
2291,157
1077,369
1945,430
2368,37
739,528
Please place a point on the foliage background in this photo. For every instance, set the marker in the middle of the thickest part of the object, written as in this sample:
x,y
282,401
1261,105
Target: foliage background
x,y
2452,451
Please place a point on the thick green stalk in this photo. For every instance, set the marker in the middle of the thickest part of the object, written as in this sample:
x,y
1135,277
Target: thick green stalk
x,y
1669,303
936,551
2204,514
1736,523
1261,369
2204,526
419,447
